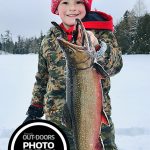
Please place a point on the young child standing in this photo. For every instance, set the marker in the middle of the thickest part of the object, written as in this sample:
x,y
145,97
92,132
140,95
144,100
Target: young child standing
x,y
49,88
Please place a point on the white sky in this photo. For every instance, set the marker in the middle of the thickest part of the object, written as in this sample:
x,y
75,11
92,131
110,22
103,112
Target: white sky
x,y
29,17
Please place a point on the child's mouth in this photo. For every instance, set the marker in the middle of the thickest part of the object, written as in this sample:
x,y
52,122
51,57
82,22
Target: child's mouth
x,y
73,15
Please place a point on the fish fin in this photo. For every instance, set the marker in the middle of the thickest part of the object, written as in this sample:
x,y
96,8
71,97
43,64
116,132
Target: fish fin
x,y
104,118
100,70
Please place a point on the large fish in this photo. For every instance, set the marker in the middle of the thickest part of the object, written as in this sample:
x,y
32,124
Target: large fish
x,y
83,107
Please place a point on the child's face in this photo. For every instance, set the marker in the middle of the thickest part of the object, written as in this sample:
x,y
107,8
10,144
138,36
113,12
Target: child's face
x,y
69,10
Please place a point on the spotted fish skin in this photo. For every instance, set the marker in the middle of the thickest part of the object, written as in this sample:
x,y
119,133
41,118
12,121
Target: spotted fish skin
x,y
84,93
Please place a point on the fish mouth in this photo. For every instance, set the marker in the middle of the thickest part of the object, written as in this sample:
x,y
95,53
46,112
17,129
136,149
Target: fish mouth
x,y
81,31
85,41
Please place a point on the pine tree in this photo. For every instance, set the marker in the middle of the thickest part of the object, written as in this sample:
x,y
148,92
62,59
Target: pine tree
x,y
140,8
7,42
125,32
20,46
142,39
0,46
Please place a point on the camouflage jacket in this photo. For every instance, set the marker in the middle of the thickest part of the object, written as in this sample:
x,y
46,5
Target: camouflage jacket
x,y
49,88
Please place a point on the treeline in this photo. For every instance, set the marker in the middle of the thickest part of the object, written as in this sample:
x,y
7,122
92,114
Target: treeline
x,y
133,33
21,46
133,30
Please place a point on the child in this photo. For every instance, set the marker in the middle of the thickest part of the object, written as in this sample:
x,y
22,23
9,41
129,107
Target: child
x,y
49,89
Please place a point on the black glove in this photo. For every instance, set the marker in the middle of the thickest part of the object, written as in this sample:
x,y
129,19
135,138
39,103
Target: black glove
x,y
34,113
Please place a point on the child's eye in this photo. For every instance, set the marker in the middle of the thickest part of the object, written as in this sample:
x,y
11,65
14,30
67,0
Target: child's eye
x,y
64,2
80,2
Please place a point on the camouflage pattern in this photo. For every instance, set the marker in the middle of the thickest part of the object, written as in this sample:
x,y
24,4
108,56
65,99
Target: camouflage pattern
x,y
49,88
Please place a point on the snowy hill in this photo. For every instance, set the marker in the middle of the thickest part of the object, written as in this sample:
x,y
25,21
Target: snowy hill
x,y
129,94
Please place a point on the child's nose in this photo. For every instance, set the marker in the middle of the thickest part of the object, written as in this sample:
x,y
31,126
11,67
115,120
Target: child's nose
x,y
72,7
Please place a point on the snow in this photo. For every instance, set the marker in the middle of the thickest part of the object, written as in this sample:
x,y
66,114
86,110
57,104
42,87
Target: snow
x,y
129,94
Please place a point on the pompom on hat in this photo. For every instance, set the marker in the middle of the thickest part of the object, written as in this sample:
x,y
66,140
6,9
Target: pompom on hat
x,y
55,3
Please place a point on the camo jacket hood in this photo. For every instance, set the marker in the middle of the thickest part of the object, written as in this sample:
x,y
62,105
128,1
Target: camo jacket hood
x,y
49,88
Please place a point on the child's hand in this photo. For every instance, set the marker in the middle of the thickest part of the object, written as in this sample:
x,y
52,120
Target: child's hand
x,y
94,40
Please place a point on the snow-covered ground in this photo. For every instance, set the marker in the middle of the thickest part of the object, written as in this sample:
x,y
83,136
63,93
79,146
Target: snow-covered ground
x,y
129,92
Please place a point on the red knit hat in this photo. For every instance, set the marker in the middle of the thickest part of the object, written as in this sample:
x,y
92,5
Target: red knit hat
x,y
55,3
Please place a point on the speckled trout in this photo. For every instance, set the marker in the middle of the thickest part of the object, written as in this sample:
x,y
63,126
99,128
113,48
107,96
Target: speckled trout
x,y
83,106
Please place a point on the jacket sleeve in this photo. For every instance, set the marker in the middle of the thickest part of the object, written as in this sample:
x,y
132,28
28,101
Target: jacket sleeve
x,y
40,85
109,55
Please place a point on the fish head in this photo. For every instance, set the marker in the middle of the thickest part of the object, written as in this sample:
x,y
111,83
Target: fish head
x,y
78,54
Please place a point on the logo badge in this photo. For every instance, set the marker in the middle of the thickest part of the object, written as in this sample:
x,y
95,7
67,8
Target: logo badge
x,y
38,134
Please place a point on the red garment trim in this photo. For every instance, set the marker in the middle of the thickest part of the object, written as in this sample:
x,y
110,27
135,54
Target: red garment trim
x,y
38,105
68,31
108,24
104,119
99,25
97,47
